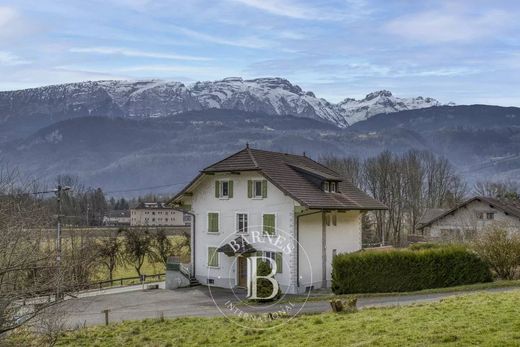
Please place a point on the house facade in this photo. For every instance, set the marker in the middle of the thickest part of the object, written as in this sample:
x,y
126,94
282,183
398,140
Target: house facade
x,y
156,214
288,208
468,219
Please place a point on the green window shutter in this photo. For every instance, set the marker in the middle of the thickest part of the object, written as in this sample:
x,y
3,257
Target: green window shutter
x,y
212,256
279,263
213,222
264,189
230,193
269,224
217,189
249,189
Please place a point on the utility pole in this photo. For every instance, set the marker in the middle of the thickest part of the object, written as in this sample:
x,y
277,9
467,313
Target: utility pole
x,y
59,189
87,213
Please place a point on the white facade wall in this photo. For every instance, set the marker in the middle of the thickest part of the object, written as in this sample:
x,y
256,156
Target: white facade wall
x,y
204,201
344,237
465,220
156,217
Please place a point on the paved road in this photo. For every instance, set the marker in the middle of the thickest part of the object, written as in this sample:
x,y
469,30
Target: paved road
x,y
197,301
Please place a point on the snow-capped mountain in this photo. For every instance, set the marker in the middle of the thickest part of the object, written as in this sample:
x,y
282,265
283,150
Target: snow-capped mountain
x,y
381,102
276,96
155,98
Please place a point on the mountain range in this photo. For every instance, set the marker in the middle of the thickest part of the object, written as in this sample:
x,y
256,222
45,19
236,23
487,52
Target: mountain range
x,y
43,106
128,135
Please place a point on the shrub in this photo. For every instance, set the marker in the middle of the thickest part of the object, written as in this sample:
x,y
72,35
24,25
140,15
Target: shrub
x,y
423,245
405,270
500,249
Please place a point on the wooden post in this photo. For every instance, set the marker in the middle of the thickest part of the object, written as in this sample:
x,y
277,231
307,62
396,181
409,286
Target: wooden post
x,y
106,315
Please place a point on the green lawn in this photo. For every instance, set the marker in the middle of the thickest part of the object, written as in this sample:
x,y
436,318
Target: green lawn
x,y
473,319
126,270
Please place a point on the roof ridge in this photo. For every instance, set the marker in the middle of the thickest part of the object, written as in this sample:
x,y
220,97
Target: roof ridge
x,y
252,156
223,159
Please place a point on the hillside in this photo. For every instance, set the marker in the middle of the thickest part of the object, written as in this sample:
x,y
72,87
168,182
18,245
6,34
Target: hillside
x,y
119,154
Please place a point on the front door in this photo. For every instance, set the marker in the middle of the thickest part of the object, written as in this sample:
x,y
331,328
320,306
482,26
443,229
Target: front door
x,y
242,271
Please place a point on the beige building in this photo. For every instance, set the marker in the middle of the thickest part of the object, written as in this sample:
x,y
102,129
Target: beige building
x,y
157,214
469,218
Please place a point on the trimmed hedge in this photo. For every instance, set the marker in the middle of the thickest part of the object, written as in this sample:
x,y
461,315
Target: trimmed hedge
x,y
406,270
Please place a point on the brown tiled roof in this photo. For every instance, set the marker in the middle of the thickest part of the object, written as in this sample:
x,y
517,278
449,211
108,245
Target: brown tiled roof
x,y
431,213
510,207
288,173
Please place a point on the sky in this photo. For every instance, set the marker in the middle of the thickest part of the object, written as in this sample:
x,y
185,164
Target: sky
x,y
465,51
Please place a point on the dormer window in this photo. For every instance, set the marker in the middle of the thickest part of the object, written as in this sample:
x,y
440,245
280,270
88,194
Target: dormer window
x,y
330,187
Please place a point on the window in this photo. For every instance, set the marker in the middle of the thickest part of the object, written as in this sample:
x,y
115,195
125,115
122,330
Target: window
x,y
326,186
257,189
327,219
269,224
278,259
480,215
241,222
333,187
490,216
213,226
224,189
334,253
212,257
334,219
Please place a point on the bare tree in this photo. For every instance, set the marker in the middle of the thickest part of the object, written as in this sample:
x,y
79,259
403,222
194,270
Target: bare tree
x,y
27,268
110,253
138,246
500,190
407,184
162,246
349,168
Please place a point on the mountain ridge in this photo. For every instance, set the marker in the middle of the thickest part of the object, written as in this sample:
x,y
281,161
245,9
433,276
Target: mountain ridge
x,y
159,98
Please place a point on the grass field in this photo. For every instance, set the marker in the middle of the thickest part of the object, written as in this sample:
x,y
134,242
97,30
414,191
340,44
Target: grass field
x,y
473,319
122,271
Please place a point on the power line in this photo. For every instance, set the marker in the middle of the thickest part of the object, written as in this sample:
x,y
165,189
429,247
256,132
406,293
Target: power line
x,y
145,188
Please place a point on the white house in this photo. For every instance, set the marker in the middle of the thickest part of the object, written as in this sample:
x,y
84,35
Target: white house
x,y
466,220
272,196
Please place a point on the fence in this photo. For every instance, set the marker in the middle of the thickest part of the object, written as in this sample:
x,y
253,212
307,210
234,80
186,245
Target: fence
x,y
122,281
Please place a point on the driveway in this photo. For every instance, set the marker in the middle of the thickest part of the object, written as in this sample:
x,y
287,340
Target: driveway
x,y
197,302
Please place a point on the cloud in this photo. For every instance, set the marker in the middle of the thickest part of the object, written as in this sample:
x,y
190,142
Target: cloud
x,y
135,53
447,26
286,8
281,8
9,59
7,16
245,42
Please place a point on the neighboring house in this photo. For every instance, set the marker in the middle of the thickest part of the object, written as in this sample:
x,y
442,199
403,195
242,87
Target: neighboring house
x,y
116,218
469,218
272,194
157,214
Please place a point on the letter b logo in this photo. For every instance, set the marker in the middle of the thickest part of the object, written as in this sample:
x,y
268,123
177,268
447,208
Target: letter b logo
x,y
253,277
